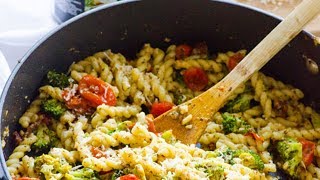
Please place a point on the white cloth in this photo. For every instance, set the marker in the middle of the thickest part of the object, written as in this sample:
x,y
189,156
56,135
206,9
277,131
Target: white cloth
x,y
23,23
4,71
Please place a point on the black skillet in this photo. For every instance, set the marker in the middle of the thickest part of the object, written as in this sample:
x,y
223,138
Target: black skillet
x,y
126,25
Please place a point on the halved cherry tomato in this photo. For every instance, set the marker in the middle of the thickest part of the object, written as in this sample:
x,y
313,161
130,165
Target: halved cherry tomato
x,y
255,136
151,126
96,91
308,148
183,51
161,107
77,103
129,177
195,78
97,153
234,60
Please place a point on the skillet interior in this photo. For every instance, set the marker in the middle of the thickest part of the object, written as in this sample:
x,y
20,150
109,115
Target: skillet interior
x,y
126,26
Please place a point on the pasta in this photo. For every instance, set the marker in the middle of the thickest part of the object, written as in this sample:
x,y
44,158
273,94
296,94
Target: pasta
x,y
100,125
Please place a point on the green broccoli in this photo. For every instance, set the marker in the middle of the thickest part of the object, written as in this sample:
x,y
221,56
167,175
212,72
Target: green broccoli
x,y
51,167
120,172
216,173
226,154
168,137
240,104
82,174
117,174
232,124
58,79
250,159
179,77
46,139
179,98
53,108
290,151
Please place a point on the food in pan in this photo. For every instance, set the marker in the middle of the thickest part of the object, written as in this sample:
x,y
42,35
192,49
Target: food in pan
x,y
96,121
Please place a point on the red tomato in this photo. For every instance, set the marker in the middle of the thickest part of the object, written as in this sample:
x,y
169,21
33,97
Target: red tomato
x,y
308,148
234,60
77,103
151,126
96,91
255,136
161,107
129,177
97,153
183,51
195,78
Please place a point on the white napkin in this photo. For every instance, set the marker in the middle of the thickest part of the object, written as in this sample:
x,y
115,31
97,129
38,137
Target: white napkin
x,y
4,72
23,23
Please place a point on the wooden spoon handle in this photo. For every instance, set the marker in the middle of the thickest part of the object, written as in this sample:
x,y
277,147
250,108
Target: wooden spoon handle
x,y
205,105
262,53
275,41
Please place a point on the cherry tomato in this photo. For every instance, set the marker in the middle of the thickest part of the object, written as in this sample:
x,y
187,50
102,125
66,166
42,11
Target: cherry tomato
x,y
255,136
308,148
96,91
97,153
77,103
151,126
195,78
234,60
129,177
183,51
161,107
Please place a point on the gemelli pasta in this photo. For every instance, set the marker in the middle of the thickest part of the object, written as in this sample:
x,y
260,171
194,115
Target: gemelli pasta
x,y
96,122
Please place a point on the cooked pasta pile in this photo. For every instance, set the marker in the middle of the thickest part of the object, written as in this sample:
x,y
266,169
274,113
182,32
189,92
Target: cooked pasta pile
x,y
97,122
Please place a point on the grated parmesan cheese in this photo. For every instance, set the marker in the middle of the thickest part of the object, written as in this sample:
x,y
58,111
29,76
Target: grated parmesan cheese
x,y
71,91
186,120
183,109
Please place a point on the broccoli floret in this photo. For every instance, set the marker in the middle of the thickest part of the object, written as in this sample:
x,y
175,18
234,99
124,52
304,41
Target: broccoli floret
x,y
240,104
53,108
50,167
168,137
179,77
290,151
226,154
58,79
250,159
82,174
118,173
232,124
179,98
45,139
216,173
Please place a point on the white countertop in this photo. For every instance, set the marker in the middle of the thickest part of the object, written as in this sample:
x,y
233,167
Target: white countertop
x,y
23,23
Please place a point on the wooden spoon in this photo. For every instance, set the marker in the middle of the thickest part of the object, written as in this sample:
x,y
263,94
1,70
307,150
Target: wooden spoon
x,y
202,108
